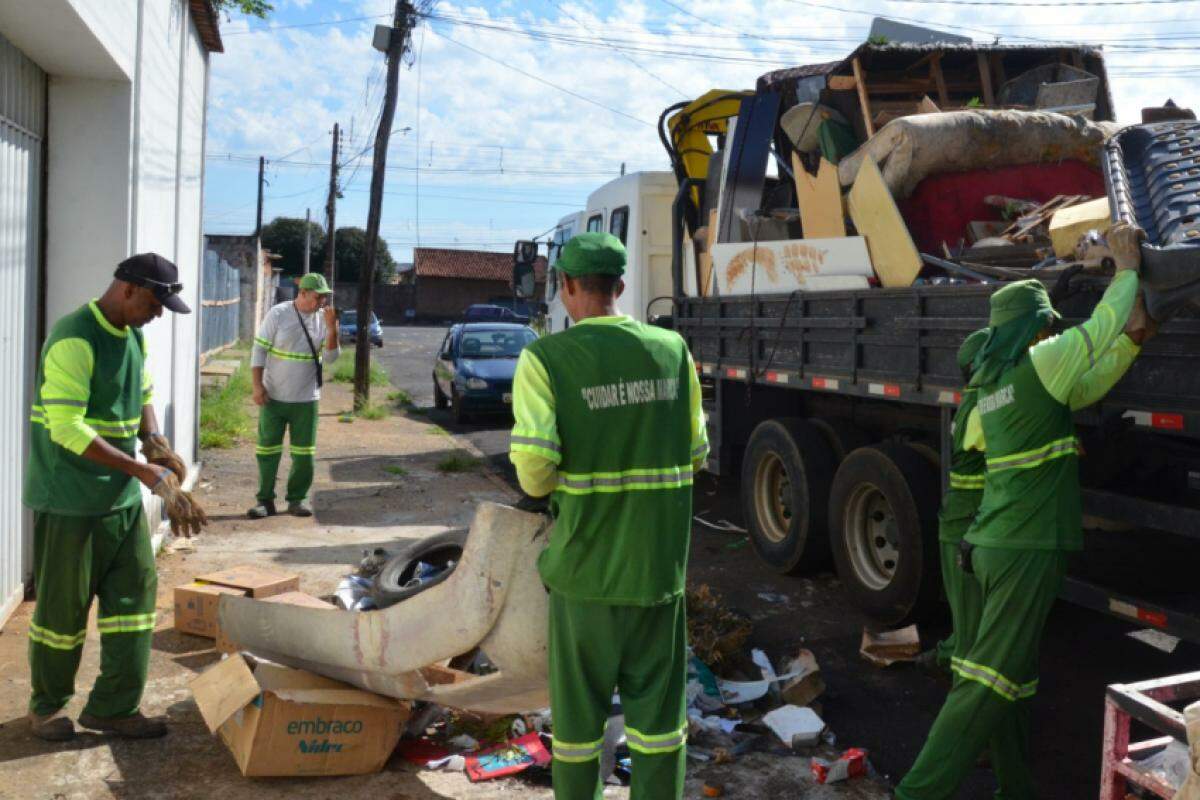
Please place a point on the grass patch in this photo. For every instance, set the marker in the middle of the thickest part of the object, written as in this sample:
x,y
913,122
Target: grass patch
x,y
343,372
224,418
395,469
417,412
456,462
400,398
374,411
438,430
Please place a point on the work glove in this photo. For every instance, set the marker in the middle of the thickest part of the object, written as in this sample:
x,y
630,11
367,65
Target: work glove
x,y
1125,241
184,513
157,450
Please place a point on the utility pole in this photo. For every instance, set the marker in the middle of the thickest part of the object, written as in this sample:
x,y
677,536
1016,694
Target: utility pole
x,y
307,237
404,19
262,165
331,210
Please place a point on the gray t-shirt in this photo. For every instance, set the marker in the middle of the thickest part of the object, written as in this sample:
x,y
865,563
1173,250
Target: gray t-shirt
x,y
280,348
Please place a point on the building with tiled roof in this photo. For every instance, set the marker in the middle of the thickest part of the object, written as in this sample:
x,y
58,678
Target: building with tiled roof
x,y
447,281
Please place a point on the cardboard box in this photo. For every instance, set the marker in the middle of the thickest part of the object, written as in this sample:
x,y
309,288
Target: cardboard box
x,y
196,608
227,645
287,722
254,582
1067,225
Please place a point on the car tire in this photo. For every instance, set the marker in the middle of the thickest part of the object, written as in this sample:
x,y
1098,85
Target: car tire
x,y
439,398
457,408
883,532
785,491
439,549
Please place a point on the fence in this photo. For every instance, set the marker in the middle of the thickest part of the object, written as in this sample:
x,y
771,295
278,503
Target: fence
x,y
220,300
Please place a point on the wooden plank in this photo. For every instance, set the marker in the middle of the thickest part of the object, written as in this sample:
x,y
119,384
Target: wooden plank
x,y
935,69
863,102
744,268
985,78
820,200
842,83
706,256
875,215
998,71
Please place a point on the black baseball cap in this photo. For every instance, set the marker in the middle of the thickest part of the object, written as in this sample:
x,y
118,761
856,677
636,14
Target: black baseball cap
x,y
160,276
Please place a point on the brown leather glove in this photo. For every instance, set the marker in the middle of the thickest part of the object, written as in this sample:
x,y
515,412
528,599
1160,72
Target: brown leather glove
x,y
1125,241
157,450
184,513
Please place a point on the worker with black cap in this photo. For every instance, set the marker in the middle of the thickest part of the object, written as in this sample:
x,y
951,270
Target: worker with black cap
x,y
91,538
608,422
1028,384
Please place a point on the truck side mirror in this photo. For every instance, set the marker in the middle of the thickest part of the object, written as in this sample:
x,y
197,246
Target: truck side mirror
x,y
524,280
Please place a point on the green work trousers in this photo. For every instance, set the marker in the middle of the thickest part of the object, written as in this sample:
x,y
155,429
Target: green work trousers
x,y
76,559
300,419
642,652
962,593
988,705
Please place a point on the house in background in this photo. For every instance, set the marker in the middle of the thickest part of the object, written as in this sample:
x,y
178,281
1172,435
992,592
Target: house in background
x,y
447,281
102,116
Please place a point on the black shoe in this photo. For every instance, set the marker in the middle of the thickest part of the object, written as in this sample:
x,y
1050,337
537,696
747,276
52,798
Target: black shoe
x,y
135,727
301,508
56,727
265,508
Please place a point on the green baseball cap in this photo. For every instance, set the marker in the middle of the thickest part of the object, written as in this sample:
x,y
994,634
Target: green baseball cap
x,y
592,253
1022,300
316,282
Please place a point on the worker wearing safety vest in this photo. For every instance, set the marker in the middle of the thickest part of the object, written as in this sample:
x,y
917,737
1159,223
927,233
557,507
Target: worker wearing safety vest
x,y
91,538
609,424
959,504
1028,385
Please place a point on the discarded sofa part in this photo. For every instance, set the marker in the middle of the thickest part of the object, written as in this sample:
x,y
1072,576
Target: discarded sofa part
x,y
225,645
285,722
876,217
1153,176
910,149
493,600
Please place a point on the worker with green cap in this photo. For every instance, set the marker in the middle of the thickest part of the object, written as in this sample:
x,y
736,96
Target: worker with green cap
x,y
959,504
608,422
287,367
1028,384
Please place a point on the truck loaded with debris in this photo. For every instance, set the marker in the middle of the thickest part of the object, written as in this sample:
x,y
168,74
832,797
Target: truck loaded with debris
x,y
833,250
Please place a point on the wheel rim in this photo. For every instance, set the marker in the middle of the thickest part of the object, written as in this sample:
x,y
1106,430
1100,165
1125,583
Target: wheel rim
x,y
870,532
773,498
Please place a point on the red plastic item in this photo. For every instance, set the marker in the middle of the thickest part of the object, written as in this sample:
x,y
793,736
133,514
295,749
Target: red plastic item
x,y
515,755
850,764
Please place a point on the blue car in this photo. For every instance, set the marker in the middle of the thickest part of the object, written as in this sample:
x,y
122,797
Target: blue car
x,y
473,372
348,324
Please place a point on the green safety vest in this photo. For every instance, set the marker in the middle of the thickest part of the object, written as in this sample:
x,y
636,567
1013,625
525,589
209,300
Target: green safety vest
x,y
623,504
60,481
1031,495
967,468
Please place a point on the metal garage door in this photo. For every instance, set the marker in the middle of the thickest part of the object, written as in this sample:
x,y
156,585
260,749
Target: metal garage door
x,y
22,125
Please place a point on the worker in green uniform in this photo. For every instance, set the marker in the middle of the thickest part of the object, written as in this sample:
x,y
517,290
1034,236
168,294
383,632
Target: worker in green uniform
x,y
608,422
959,504
83,482
1030,518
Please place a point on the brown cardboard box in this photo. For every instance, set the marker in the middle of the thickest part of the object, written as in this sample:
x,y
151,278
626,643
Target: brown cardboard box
x,y
253,581
196,607
287,722
227,645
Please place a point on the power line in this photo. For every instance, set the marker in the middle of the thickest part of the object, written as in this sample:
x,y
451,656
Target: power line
x,y
321,24
1043,3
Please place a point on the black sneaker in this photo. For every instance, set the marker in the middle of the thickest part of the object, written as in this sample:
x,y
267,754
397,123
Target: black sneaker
x,y
301,508
134,727
266,508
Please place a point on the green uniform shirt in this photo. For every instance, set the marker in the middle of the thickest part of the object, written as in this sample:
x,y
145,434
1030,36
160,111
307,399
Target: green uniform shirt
x,y
92,381
1024,420
609,408
967,467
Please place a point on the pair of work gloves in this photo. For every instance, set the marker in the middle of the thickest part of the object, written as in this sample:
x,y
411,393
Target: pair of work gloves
x,y
184,512
1125,242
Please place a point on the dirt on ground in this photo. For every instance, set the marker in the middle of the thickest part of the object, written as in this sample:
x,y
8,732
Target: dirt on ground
x,y
377,482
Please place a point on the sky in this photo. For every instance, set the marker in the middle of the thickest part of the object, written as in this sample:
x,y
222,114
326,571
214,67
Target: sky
x,y
511,112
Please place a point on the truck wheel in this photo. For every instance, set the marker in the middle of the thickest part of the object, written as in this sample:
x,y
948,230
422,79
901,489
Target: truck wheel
x,y
843,437
883,532
785,492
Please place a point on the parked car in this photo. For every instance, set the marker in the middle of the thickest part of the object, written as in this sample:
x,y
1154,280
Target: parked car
x,y
473,371
486,312
348,322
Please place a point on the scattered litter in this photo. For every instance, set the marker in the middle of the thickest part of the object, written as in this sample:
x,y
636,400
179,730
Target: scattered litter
x,y
713,789
372,562
723,525
422,752
1156,639
509,758
737,545
807,685
888,647
454,763
354,593
715,631
735,692
463,742
703,691
772,597
795,726
712,724
424,573
850,764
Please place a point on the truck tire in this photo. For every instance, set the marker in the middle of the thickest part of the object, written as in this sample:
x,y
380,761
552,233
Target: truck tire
x,y
883,532
843,437
438,550
785,492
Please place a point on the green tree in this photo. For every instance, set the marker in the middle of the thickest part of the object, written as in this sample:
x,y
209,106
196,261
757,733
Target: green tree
x,y
253,8
351,256
284,236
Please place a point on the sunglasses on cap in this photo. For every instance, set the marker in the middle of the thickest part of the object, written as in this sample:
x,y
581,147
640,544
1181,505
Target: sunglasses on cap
x,y
161,290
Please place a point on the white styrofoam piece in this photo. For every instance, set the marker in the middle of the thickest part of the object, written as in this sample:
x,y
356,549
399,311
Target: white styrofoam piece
x,y
787,265
796,726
